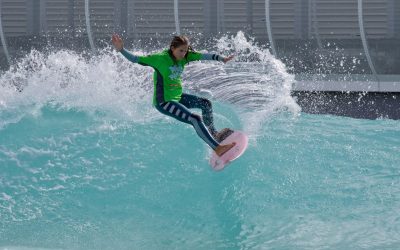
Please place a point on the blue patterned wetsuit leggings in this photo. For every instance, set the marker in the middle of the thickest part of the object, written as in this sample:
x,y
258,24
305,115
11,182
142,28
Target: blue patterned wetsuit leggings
x,y
180,111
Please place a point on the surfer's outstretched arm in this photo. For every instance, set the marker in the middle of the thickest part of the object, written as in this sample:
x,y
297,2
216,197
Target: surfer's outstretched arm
x,y
129,56
197,56
216,57
119,46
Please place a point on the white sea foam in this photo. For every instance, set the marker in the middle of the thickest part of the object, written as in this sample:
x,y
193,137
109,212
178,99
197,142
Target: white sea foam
x,y
109,84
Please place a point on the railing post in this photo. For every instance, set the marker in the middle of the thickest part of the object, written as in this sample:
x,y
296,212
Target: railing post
x,y
71,14
42,18
210,17
220,16
88,27
121,16
3,38
314,22
176,15
130,19
249,16
269,28
364,40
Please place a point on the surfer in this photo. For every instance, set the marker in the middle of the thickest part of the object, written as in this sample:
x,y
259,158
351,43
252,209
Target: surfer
x,y
168,96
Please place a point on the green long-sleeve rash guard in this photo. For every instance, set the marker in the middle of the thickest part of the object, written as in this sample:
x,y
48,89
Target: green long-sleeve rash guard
x,y
167,72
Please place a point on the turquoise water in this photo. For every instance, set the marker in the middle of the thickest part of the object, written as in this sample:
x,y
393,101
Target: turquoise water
x,y
87,163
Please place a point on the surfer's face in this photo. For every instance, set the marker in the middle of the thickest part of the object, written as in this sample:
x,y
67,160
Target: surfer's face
x,y
180,52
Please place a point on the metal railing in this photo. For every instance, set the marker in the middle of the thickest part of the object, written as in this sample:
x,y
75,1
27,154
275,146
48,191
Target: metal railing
x,y
275,21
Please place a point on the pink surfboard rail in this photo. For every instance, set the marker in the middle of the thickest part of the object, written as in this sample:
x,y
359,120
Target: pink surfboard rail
x,y
241,139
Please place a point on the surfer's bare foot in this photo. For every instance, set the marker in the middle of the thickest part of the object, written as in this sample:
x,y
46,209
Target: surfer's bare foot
x,y
222,149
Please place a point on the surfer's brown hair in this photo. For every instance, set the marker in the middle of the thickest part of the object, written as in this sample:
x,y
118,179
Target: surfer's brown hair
x,y
178,41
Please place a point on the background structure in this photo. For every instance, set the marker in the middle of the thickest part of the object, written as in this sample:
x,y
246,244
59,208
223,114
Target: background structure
x,y
330,45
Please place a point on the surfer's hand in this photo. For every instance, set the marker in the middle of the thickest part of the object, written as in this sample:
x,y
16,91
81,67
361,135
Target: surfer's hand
x,y
117,42
227,59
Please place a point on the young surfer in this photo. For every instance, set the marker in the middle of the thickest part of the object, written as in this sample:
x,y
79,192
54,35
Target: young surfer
x,y
168,96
